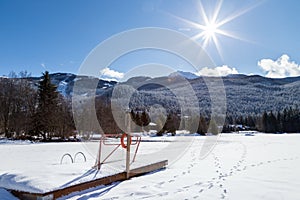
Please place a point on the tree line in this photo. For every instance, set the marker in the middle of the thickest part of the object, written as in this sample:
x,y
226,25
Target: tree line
x,y
39,111
285,121
30,113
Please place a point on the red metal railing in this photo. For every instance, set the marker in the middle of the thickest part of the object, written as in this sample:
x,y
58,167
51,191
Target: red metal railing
x,y
104,141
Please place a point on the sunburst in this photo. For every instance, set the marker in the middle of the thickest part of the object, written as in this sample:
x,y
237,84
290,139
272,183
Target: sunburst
x,y
211,27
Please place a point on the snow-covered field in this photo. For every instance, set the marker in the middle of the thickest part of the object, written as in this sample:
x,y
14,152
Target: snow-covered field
x,y
264,166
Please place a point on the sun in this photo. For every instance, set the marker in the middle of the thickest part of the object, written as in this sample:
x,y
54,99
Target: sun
x,y
209,30
210,27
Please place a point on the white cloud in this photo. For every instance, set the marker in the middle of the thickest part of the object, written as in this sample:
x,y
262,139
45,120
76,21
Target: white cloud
x,y
111,74
223,70
280,68
43,65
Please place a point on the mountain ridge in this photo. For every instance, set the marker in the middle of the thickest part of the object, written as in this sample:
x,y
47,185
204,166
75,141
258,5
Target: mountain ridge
x,y
244,93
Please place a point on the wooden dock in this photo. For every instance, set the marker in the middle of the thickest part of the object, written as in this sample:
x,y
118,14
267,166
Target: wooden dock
x,y
90,184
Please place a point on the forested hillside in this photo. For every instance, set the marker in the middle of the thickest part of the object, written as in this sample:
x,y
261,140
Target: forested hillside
x,y
255,102
244,94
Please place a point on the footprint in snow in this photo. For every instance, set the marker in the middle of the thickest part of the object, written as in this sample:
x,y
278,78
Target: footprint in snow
x,y
179,190
163,194
198,183
159,185
223,196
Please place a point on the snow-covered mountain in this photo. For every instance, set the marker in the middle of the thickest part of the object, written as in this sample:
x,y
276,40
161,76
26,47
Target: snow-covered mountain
x,y
244,94
187,75
65,82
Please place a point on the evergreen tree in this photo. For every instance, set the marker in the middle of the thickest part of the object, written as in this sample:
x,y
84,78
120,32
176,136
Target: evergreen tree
x,y
264,120
284,120
145,119
292,121
133,115
202,127
45,117
279,122
171,125
272,123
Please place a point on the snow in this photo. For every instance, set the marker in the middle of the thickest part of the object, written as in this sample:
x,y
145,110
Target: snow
x,y
187,75
15,142
77,79
152,124
108,85
238,167
37,168
62,87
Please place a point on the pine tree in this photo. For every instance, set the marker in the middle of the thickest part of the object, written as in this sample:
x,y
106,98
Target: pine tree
x,y
145,119
171,125
264,122
272,123
45,117
279,121
202,127
138,121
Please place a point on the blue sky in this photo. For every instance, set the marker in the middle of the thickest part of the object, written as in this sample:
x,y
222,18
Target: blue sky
x,y
57,35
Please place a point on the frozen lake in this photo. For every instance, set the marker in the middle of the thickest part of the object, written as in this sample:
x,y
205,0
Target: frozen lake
x,y
264,166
